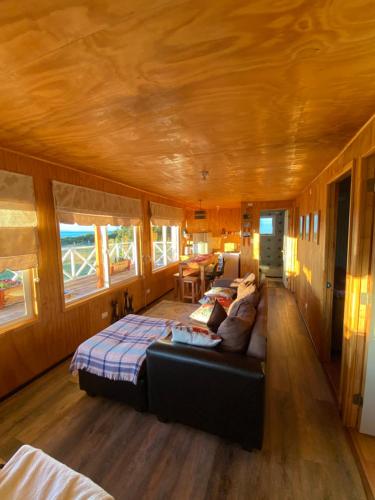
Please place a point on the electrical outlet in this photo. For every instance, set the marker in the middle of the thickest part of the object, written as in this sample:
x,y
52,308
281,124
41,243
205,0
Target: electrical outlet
x,y
104,314
306,306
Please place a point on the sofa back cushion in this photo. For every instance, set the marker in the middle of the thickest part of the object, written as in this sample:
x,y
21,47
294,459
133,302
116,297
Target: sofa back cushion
x,y
236,330
257,347
243,303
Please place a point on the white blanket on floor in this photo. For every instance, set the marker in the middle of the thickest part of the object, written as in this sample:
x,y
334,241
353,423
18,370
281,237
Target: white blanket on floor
x,y
32,475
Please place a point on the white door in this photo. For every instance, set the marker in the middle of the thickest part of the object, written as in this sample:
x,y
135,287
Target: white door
x,y
285,256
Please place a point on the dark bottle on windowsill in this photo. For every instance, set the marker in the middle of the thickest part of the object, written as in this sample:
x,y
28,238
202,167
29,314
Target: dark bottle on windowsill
x,y
115,311
126,312
130,304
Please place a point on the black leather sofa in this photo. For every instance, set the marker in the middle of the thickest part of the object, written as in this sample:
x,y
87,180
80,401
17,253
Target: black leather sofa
x,y
219,392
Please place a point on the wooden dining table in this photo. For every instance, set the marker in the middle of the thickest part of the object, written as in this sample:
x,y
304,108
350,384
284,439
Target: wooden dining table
x,y
200,263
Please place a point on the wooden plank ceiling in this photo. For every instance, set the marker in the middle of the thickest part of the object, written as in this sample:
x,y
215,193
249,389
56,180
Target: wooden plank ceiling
x,y
262,93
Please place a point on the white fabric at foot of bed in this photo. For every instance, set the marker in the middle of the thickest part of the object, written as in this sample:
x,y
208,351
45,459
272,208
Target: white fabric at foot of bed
x,y
31,474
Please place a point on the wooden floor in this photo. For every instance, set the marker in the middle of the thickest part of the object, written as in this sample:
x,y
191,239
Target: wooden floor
x,y
306,454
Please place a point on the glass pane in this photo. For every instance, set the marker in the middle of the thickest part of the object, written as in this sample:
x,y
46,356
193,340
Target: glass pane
x,y
157,233
78,252
266,225
172,244
201,247
122,250
158,247
12,296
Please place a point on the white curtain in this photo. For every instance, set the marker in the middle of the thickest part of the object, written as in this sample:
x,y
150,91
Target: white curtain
x,y
165,215
75,204
18,222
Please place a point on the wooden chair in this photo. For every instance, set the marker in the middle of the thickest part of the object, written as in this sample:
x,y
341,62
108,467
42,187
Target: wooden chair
x,y
190,288
186,273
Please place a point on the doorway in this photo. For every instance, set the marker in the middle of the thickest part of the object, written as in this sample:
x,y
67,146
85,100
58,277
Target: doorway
x,y
336,277
271,231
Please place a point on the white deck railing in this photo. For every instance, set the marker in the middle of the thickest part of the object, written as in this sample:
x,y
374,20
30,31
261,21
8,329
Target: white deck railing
x,y
79,262
164,253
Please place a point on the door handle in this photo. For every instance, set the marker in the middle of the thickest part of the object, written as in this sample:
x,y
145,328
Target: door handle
x,y
328,285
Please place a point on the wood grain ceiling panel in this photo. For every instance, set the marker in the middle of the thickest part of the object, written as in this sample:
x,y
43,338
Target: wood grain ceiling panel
x,y
262,94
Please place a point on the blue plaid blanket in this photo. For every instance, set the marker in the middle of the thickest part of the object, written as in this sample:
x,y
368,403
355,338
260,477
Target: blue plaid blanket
x,y
118,351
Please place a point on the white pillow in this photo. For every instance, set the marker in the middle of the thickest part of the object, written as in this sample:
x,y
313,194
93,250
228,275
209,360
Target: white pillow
x,y
194,336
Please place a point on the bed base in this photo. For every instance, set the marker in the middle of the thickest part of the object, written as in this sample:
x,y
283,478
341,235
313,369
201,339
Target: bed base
x,y
126,392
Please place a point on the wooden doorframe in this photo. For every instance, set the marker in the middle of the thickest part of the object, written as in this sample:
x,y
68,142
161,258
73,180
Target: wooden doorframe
x,y
330,250
357,285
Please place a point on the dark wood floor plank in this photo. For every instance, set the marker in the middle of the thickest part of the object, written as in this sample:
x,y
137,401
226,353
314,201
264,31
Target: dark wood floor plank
x,y
132,455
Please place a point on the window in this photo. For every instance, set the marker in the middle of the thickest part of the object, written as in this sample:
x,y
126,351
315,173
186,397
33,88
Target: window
x,y
200,247
165,245
18,243
266,225
99,238
96,257
122,251
16,299
165,234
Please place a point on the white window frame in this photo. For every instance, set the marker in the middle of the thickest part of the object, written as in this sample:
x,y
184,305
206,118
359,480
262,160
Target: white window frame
x,y
108,282
136,255
175,241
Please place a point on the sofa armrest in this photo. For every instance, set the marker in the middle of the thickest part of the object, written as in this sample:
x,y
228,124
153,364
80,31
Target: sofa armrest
x,y
219,392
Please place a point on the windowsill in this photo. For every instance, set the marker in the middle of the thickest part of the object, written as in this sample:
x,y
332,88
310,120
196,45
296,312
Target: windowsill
x,y
17,324
72,303
154,271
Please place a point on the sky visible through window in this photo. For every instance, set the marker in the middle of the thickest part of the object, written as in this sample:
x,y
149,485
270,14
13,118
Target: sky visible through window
x,y
266,225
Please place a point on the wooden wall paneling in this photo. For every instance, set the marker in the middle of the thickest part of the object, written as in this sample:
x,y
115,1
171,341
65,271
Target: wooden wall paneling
x,y
329,267
310,282
217,219
30,349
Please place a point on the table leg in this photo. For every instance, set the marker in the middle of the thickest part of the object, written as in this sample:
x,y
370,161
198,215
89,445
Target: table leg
x,y
181,282
203,283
